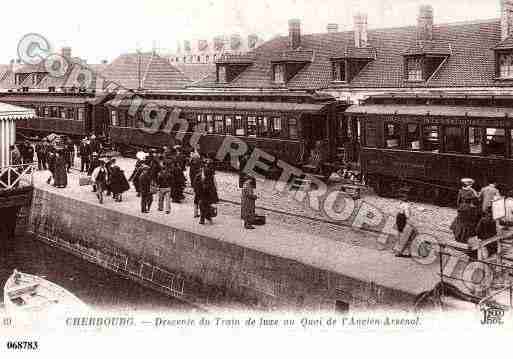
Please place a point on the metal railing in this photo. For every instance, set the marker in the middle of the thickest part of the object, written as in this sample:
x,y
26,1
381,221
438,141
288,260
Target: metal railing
x,y
17,176
494,297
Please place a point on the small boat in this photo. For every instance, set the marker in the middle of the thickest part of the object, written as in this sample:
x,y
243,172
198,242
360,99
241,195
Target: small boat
x,y
26,293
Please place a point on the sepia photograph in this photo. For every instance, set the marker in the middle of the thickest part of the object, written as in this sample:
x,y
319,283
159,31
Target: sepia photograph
x,y
275,171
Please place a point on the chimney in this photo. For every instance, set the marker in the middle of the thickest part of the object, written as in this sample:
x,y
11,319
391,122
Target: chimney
x,y
360,30
331,28
66,52
425,23
294,33
506,19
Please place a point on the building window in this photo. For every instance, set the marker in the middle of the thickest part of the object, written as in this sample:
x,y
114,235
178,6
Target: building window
x,y
221,74
252,126
339,71
228,123
392,135
279,73
414,68
454,139
210,124
81,114
263,127
219,124
506,66
413,137
293,133
239,126
275,127
114,118
431,138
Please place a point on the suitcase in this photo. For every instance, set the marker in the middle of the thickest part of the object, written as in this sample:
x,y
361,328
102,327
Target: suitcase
x,y
84,181
258,220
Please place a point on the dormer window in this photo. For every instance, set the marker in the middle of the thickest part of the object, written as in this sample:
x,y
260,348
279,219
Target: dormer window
x,y
506,65
231,66
221,74
350,61
279,73
414,69
339,70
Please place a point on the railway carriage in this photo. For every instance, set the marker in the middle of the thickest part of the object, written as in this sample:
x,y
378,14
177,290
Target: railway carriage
x,y
73,114
424,144
285,126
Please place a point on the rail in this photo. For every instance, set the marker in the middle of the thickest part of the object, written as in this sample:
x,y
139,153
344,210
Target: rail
x,y
17,176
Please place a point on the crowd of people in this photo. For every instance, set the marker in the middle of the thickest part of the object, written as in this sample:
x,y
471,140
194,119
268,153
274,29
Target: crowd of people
x,y
474,216
156,173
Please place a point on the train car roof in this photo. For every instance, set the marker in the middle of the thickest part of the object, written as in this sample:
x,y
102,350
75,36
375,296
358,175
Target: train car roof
x,y
432,110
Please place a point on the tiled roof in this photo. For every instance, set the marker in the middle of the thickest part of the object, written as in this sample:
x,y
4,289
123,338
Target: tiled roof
x,y
195,72
148,71
470,64
506,44
294,56
356,53
430,48
7,80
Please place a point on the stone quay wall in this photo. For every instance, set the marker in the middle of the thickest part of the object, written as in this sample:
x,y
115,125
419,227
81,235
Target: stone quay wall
x,y
203,271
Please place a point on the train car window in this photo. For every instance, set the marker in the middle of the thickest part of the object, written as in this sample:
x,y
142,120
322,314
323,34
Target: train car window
x,y
47,111
114,118
275,127
70,113
392,135
293,133
263,127
81,114
239,126
210,124
495,142
431,137
252,126
454,139
476,140
413,137
63,113
371,134
228,122
219,125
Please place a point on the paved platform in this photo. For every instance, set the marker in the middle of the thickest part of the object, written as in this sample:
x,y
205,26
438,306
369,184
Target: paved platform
x,y
380,267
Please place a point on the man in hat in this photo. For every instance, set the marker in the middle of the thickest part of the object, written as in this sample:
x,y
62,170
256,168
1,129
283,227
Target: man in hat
x,y
100,178
487,195
144,184
84,152
41,151
405,231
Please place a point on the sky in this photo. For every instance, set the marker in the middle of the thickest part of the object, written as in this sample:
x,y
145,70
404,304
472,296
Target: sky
x,y
102,29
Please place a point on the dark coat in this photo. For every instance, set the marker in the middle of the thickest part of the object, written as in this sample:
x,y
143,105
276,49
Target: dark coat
x,y
118,181
60,173
205,191
248,198
144,182
165,179
194,168
464,225
486,228
94,163
84,151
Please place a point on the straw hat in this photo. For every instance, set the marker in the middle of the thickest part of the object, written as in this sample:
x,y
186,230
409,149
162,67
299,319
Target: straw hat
x,y
467,181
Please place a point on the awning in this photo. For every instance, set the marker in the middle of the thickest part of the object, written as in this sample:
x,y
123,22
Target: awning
x,y
227,106
10,112
435,110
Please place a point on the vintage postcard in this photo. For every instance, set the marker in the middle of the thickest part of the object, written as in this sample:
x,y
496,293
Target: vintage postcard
x,y
174,175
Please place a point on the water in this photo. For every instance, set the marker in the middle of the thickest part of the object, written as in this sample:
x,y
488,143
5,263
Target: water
x,y
95,286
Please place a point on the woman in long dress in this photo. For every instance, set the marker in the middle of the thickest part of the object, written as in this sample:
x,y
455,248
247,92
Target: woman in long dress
x,y
247,205
61,173
465,223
